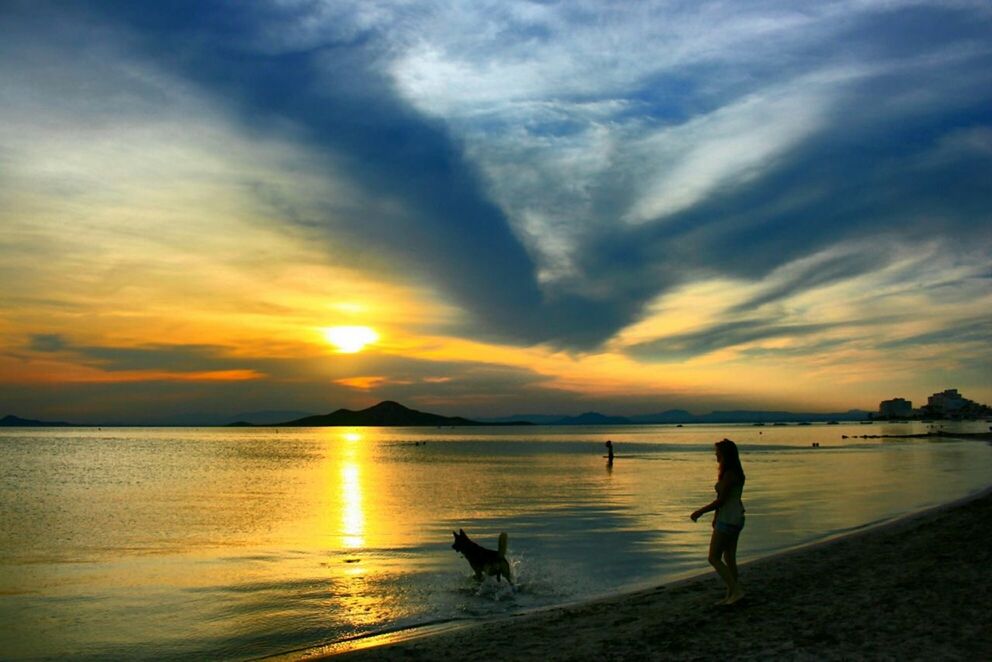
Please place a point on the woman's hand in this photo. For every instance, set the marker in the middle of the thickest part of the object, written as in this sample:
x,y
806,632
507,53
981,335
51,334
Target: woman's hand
x,y
695,515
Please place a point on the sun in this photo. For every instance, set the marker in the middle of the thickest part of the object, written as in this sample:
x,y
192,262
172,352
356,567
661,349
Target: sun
x,y
350,339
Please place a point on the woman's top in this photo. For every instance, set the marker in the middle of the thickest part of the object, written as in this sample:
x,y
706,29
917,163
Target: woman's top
x,y
732,510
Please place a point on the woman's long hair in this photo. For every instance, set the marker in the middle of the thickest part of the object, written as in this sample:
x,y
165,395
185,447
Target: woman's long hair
x,y
730,458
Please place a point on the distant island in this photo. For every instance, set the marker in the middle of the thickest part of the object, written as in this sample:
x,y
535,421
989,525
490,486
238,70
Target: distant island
x,y
386,413
11,421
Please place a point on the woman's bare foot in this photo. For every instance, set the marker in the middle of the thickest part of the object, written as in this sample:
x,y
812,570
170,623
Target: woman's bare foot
x,y
734,597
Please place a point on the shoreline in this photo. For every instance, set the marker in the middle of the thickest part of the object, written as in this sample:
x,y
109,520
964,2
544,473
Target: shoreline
x,y
980,436
911,587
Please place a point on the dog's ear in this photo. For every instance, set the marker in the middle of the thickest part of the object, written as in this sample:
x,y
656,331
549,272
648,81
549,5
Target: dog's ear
x,y
455,535
462,532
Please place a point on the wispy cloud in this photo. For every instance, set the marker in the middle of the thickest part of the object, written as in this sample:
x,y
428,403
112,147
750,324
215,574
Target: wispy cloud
x,y
816,271
977,333
721,336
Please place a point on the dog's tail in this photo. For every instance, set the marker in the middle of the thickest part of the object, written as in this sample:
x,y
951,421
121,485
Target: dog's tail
x,y
502,544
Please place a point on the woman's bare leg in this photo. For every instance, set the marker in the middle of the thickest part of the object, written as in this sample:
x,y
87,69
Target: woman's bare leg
x,y
730,555
718,546
730,559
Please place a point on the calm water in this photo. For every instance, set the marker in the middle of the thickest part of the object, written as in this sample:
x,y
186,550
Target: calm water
x,y
240,543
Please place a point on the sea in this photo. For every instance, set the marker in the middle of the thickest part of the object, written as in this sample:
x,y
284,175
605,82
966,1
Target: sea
x,y
242,543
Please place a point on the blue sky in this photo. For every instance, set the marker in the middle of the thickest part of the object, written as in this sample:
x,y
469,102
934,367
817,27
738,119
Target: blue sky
x,y
536,204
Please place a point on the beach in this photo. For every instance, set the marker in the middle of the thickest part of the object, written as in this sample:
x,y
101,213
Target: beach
x,y
916,588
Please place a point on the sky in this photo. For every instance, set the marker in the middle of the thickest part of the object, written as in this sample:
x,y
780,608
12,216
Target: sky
x,y
535,207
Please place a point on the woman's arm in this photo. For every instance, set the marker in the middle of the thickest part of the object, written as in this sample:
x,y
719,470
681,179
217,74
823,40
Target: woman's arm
x,y
722,489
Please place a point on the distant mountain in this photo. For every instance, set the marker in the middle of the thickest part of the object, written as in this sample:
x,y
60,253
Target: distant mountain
x,y
16,421
387,413
524,419
592,418
749,416
268,417
673,416
670,416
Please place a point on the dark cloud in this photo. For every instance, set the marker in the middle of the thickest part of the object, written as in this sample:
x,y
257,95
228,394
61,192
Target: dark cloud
x,y
153,357
46,342
204,358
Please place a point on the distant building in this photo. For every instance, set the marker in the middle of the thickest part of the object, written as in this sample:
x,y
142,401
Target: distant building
x,y
951,404
946,403
895,408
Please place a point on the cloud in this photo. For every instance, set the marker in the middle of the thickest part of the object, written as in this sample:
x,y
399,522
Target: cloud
x,y
722,150
686,345
225,379
808,274
976,333
525,160
846,304
47,342
149,362
734,149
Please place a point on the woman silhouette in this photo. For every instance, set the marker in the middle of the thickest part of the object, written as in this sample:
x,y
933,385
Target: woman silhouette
x,y
729,519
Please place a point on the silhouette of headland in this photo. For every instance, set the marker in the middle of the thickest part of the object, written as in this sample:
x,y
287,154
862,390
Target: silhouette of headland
x,y
12,421
386,413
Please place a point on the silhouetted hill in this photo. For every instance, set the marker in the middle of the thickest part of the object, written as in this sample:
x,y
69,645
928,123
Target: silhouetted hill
x,y
670,416
387,413
267,417
524,419
592,418
749,416
16,421
673,416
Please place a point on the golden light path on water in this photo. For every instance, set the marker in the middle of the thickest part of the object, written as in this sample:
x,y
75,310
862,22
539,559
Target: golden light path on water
x,y
352,512
346,526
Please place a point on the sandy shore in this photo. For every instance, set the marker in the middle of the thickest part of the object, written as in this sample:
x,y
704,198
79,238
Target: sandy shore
x,y
919,588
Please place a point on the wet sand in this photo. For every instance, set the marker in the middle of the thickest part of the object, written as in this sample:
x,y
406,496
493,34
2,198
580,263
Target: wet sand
x,y
918,588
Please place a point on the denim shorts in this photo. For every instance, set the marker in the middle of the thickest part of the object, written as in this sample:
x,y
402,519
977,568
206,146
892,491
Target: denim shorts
x,y
729,529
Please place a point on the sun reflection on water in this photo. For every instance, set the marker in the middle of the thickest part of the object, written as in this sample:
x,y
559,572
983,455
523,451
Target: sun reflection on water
x,y
352,514
352,510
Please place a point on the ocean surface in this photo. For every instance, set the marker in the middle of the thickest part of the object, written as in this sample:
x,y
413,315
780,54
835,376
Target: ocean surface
x,y
236,543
